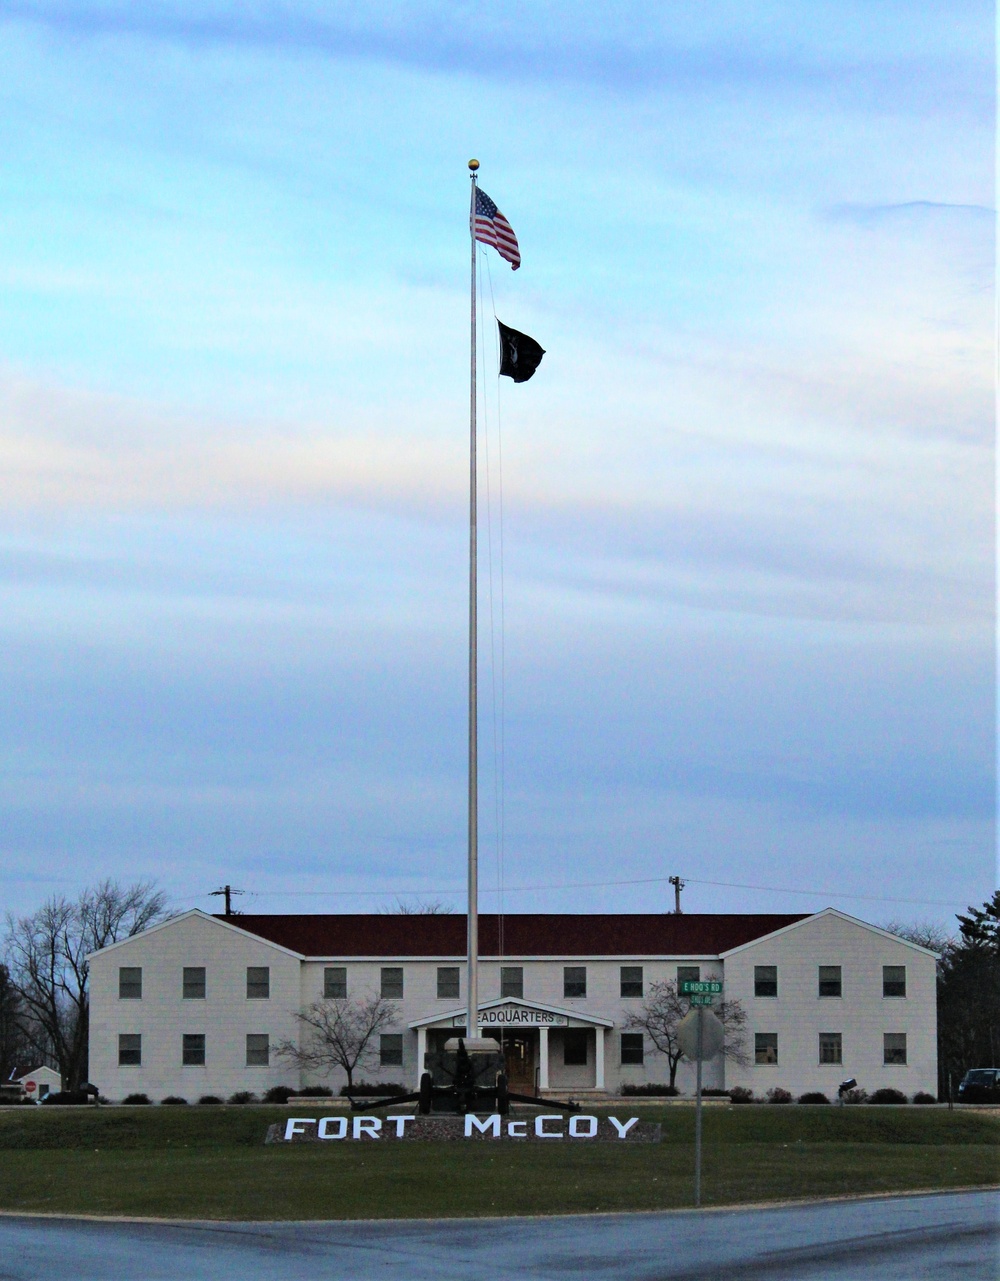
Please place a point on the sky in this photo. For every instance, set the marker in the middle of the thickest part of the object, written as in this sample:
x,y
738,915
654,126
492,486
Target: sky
x,y
737,534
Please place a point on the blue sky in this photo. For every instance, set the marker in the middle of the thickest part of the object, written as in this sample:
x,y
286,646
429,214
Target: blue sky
x,y
747,591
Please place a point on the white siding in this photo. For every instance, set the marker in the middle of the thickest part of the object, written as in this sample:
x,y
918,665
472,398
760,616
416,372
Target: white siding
x,y
861,1015
162,1016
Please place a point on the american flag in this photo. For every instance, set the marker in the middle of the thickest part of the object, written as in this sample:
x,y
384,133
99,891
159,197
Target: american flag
x,y
492,228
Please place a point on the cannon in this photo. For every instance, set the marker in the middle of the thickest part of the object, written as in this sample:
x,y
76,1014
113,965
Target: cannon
x,y
466,1076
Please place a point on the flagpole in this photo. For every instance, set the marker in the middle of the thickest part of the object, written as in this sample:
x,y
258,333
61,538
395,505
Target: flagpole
x,y
472,980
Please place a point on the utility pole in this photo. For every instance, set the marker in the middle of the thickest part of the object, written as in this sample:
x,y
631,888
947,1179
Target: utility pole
x,y
678,885
227,892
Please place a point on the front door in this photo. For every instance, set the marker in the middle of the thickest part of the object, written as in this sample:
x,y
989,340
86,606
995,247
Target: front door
x,y
520,1052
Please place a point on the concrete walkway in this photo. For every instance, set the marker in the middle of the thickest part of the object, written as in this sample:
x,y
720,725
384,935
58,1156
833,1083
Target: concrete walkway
x,y
955,1235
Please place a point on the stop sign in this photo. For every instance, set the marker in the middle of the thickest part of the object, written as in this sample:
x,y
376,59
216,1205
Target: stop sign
x,y
712,1037
30,1086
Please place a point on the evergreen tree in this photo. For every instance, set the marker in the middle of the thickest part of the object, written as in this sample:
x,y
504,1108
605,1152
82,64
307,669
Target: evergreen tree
x,y
969,994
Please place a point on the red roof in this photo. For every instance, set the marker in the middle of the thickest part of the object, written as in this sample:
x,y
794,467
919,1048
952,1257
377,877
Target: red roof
x,y
528,934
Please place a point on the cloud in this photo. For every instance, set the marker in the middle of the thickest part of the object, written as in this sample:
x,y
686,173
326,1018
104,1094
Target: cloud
x,y
835,53
907,209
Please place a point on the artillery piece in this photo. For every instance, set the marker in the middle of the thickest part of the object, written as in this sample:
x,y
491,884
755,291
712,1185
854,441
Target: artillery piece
x,y
466,1076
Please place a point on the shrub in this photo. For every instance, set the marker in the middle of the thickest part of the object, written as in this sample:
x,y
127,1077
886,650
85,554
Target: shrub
x,y
243,1096
651,1087
63,1097
374,1089
713,1094
173,1100
13,1100
813,1096
316,1092
854,1096
209,1098
137,1100
888,1095
279,1094
740,1094
777,1095
922,1096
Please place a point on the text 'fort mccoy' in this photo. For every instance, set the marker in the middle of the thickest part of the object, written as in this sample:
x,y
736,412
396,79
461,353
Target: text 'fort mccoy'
x,y
538,1129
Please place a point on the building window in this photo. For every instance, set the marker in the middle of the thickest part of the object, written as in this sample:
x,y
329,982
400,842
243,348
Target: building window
x,y
335,982
390,1049
194,983
193,1049
631,981
631,1049
447,982
130,983
829,981
765,980
574,980
831,1049
129,1049
258,983
392,982
258,1049
511,980
765,1047
575,1047
893,980
688,974
894,1048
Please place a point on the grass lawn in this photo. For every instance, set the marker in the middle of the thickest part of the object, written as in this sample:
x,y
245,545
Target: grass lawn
x,y
211,1163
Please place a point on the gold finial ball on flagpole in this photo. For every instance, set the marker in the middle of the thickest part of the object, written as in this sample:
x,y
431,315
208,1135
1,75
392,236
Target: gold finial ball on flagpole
x,y
473,165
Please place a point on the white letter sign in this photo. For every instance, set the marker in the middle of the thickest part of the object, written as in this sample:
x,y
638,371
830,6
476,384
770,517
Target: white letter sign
x,y
340,1122
296,1125
575,1130
540,1130
369,1125
623,1127
472,1122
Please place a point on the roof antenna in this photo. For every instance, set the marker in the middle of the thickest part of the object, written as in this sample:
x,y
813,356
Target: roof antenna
x,y
228,892
678,885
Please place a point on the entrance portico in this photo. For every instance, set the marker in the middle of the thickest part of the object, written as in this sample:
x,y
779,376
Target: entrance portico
x,y
545,1047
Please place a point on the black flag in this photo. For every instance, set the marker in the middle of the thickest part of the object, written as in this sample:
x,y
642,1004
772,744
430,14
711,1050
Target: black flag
x,y
520,355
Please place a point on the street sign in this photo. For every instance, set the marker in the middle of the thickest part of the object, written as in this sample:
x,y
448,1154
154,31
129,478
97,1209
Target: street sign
x,y
690,986
703,998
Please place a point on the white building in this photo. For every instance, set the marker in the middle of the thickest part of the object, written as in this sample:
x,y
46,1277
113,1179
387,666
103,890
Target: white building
x,y
197,1004
37,1083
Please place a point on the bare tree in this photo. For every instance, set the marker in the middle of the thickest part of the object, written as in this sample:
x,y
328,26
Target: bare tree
x,y
422,907
340,1034
927,934
14,1044
662,1011
47,957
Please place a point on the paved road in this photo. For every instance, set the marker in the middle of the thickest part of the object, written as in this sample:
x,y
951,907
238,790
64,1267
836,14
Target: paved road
x,y
940,1237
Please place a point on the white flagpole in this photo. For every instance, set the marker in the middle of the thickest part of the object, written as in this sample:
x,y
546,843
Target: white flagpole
x,y
472,980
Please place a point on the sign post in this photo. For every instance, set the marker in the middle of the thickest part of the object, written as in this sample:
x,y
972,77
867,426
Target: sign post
x,y
697,1108
699,1039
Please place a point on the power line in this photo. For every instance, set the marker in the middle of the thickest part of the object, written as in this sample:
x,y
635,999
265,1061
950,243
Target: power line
x,y
575,885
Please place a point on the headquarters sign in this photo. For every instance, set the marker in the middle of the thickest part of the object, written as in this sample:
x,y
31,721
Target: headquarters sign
x,y
515,1016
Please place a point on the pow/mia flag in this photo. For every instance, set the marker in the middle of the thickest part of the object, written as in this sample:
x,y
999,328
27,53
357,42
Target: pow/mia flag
x,y
520,355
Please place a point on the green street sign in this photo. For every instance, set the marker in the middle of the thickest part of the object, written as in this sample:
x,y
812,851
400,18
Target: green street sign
x,y
712,985
702,998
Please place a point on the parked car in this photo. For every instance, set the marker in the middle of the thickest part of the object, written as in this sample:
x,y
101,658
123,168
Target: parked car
x,y
980,1085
